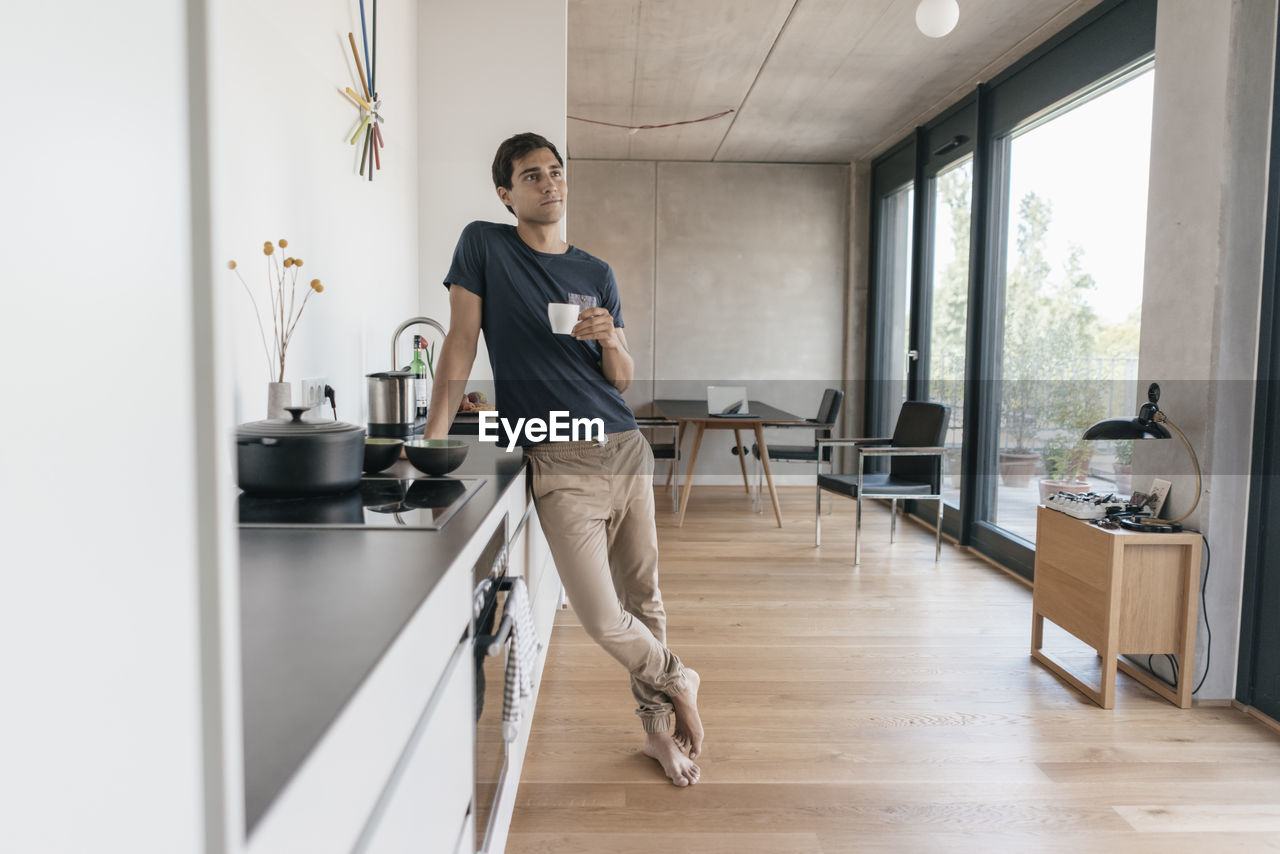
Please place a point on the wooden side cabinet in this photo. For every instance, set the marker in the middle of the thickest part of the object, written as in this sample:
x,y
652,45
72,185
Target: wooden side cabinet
x,y
1120,592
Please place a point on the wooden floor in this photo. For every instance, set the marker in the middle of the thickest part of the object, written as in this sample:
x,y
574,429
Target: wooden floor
x,y
888,708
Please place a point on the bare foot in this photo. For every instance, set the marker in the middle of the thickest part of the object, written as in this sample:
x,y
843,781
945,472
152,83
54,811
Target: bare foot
x,y
688,732
681,770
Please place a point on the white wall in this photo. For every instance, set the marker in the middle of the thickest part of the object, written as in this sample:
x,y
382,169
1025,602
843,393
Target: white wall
x,y
283,167
100,727
487,71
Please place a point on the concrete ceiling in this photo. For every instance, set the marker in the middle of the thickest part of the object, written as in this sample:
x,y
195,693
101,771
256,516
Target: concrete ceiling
x,y
809,81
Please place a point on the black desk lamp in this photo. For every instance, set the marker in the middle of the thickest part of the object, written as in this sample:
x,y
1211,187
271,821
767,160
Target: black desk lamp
x,y
1150,423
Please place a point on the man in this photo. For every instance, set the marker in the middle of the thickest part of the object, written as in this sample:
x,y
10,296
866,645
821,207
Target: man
x,y
594,497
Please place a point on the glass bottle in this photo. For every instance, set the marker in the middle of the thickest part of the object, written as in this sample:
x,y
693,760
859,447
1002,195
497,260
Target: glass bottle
x,y
421,385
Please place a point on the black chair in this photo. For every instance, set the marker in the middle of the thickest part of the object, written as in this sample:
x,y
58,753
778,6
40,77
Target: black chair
x,y
915,455
821,425
665,451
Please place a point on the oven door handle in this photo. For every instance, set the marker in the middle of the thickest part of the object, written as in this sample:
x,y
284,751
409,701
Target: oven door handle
x,y
493,644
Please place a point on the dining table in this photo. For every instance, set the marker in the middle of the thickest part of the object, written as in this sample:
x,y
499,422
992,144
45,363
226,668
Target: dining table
x,y
694,413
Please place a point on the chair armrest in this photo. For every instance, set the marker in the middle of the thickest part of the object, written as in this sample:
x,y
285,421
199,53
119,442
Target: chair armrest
x,y
901,452
653,422
849,442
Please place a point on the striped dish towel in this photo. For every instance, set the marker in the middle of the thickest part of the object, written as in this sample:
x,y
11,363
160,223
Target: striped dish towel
x,y
522,657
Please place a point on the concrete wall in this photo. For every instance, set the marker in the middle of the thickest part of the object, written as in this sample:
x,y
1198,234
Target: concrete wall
x,y
730,273
613,214
1210,137
855,356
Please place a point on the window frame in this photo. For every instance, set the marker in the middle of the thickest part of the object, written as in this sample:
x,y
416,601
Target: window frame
x,y
1106,43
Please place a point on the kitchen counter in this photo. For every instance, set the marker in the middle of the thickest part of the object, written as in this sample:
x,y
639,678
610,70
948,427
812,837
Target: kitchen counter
x,y
319,609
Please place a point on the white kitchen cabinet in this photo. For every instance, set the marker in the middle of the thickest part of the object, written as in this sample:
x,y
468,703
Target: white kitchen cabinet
x,y
326,806
544,583
395,771
428,799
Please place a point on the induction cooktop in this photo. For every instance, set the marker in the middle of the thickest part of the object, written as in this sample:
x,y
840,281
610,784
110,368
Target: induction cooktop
x,y
416,504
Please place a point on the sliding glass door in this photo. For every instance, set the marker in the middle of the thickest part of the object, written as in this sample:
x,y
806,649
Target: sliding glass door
x,y
897,252
1075,235
947,292
1012,290
923,295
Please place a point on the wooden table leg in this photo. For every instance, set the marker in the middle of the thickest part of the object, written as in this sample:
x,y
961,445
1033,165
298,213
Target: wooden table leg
x,y
1110,664
688,474
764,461
1190,622
742,459
1180,694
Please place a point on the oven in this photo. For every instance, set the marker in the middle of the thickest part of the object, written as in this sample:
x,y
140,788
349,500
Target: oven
x,y
491,638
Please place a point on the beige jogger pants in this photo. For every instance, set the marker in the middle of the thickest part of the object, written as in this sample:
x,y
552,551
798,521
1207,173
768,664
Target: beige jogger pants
x,y
596,507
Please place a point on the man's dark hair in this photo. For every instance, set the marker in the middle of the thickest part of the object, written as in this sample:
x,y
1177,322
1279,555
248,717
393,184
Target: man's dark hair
x,y
512,150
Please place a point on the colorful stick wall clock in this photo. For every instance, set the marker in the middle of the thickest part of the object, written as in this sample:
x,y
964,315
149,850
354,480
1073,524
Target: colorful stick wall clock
x,y
370,104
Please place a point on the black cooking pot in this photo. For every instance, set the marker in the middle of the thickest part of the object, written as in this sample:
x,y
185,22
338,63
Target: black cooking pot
x,y
294,457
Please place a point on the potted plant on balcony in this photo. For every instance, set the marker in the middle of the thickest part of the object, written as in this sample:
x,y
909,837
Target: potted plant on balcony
x,y
1018,461
1020,421
1066,461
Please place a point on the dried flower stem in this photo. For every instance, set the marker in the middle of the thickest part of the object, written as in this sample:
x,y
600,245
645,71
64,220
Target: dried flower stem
x,y
293,293
279,288
289,335
257,315
284,317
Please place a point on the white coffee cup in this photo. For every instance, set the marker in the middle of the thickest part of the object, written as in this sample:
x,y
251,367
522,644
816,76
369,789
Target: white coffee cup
x,y
563,316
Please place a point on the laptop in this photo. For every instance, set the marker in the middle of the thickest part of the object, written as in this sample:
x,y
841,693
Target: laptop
x,y
727,401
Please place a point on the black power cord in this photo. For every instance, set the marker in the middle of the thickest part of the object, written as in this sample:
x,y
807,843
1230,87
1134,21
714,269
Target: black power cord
x,y
1204,582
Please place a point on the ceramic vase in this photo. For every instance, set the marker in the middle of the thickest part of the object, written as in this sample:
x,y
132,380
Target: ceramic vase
x,y
279,395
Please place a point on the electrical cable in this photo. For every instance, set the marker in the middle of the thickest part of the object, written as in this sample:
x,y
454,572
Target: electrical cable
x,y
634,128
1204,583
1173,666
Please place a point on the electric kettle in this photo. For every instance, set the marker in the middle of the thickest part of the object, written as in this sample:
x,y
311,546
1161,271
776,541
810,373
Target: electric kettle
x,y
392,405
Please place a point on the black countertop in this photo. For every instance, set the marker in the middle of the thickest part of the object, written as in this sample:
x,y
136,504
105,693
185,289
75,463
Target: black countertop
x,y
319,608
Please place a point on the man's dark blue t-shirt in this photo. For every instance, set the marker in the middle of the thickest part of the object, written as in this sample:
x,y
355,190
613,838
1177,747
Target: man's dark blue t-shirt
x,y
536,371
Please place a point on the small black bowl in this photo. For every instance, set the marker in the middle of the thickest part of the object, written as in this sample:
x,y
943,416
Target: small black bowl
x,y
380,453
436,456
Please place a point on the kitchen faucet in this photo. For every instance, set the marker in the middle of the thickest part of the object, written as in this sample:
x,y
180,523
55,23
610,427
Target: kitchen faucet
x,y
395,336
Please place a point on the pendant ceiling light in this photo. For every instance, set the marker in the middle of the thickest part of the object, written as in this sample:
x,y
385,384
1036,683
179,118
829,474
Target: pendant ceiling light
x,y
936,18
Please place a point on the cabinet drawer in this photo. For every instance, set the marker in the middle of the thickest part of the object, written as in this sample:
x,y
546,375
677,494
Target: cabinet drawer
x,y
426,804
